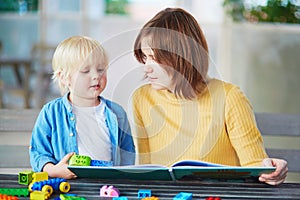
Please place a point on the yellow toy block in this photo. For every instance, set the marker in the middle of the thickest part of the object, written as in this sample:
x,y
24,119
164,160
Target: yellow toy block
x,y
39,195
39,176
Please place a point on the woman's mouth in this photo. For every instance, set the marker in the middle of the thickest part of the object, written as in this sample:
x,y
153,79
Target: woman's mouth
x,y
151,79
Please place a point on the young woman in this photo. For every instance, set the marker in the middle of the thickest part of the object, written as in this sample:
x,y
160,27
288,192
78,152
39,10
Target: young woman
x,y
184,114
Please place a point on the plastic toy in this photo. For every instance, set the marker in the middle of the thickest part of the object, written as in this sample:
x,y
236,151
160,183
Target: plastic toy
x,y
20,192
57,184
69,197
119,198
101,163
39,195
183,196
151,198
39,176
80,160
213,198
144,193
25,177
6,197
109,191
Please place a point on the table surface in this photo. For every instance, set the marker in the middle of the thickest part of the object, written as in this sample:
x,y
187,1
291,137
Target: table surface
x,y
164,190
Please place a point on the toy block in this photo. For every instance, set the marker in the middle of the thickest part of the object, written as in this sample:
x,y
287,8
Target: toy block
x,y
39,176
213,198
57,184
70,197
80,160
101,163
15,191
39,195
150,198
25,177
119,198
144,193
183,196
6,197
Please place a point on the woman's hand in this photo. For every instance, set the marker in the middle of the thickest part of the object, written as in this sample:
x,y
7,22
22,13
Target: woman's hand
x,y
279,175
60,169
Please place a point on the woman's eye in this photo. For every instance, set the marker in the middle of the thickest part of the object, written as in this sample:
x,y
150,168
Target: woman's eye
x,y
144,57
100,70
85,71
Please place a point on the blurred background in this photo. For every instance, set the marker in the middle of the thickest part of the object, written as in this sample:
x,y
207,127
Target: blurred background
x,y
253,43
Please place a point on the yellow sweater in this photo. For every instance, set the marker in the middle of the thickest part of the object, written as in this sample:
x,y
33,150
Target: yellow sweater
x,y
218,127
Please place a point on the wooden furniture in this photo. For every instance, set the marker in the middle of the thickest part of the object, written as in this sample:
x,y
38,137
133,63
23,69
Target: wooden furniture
x,y
39,66
22,81
41,56
281,133
166,190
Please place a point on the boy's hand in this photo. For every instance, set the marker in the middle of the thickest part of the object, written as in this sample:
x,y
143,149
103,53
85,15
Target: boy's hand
x,y
279,175
60,169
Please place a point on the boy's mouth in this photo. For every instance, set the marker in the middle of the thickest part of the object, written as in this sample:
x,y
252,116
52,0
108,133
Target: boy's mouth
x,y
96,87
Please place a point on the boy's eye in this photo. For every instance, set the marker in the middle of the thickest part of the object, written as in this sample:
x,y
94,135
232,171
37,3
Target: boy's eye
x,y
100,70
84,71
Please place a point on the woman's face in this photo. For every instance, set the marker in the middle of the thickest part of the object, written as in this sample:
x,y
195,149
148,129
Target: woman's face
x,y
154,72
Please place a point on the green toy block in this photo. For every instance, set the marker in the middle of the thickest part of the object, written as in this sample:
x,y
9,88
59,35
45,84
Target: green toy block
x,y
25,177
80,160
20,192
70,197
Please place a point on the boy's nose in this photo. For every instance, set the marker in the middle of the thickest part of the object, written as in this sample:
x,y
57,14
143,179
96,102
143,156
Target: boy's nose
x,y
96,76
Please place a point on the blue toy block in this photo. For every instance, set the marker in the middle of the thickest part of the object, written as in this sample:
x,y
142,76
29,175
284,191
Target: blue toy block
x,y
101,163
119,198
183,196
57,184
144,193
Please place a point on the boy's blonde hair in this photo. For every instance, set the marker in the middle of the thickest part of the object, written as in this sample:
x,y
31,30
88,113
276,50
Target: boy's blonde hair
x,y
71,53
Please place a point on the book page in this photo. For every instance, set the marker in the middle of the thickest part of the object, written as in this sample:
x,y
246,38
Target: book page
x,y
195,163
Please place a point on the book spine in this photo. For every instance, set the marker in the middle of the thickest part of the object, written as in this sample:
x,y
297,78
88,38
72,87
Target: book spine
x,y
172,174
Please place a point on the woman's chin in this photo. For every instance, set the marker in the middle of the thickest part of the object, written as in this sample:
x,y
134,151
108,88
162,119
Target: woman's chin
x,y
157,87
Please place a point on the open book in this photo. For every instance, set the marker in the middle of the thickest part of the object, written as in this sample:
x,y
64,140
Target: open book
x,y
182,170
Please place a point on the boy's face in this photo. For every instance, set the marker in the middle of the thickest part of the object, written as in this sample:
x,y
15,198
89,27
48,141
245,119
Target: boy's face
x,y
88,82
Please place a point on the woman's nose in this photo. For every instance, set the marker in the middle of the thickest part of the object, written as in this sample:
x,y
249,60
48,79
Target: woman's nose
x,y
148,68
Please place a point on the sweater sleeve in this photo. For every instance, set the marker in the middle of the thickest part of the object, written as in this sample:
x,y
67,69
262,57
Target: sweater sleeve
x,y
139,130
242,129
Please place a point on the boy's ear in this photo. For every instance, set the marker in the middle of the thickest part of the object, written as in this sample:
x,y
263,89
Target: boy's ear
x,y
63,78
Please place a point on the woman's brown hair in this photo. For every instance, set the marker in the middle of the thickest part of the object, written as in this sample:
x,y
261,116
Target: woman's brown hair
x,y
178,42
